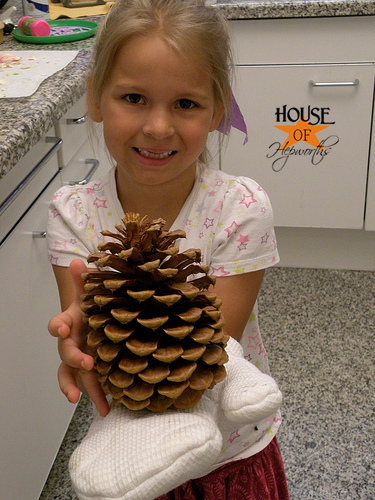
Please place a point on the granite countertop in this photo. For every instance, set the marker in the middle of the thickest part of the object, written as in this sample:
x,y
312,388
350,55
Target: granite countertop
x,y
272,9
25,120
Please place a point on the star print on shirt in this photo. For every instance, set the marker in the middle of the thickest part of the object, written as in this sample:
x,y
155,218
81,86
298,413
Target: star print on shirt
x,y
200,208
243,239
58,194
208,223
253,342
55,212
232,229
277,418
262,350
219,271
247,200
53,260
239,270
219,207
100,203
95,187
264,238
234,435
59,245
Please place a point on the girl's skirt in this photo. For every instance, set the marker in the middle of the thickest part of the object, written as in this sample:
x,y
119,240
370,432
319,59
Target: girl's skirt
x,y
259,477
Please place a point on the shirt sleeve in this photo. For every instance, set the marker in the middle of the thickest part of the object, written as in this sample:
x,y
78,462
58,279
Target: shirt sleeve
x,y
244,238
71,228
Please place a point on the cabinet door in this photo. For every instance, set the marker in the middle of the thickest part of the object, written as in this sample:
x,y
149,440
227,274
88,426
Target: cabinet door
x,y
34,414
314,170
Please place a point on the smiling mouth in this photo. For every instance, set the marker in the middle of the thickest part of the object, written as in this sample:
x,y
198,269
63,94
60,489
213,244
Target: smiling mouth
x,y
153,155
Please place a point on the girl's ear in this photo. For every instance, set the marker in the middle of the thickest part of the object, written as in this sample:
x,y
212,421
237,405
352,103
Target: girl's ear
x,y
92,103
217,116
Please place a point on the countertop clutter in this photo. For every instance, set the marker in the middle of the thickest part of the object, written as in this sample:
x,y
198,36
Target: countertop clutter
x,y
25,120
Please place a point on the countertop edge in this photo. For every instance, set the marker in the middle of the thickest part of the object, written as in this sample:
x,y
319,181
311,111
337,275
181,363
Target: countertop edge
x,y
55,96
280,9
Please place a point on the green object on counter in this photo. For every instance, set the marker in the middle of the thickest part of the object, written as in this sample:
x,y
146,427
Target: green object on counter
x,y
64,30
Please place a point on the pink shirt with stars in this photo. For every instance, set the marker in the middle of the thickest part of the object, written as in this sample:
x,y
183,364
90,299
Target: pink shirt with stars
x,y
229,218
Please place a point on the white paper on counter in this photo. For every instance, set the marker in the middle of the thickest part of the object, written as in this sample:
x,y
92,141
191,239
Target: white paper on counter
x,y
23,79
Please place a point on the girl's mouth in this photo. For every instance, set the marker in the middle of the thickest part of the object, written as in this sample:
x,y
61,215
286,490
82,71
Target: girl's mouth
x,y
153,155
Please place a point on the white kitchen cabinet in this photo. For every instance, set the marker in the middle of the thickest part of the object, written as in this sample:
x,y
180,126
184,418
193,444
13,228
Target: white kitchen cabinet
x,y
323,70
34,414
309,186
83,156
73,129
91,161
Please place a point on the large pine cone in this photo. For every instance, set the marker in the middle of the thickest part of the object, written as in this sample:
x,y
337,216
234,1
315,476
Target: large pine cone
x,y
158,338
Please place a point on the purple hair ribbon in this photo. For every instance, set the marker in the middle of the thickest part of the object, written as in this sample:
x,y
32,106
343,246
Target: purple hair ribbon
x,y
237,121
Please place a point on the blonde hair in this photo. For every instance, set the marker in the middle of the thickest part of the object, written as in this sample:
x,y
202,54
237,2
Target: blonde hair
x,y
190,27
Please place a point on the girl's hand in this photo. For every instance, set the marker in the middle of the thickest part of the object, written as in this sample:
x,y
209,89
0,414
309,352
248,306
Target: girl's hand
x,y
76,372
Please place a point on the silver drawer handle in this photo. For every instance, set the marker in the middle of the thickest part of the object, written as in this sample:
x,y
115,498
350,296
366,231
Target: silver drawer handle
x,y
334,84
76,121
57,142
90,173
39,234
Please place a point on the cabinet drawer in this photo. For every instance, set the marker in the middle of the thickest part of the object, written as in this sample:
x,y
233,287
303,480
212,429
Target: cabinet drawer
x,y
73,129
315,171
26,181
315,40
90,162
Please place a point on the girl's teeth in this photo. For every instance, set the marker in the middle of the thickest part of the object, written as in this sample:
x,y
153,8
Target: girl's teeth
x,y
156,156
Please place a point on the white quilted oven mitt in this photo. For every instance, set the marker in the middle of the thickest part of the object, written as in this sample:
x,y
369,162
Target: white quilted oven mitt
x,y
141,455
246,395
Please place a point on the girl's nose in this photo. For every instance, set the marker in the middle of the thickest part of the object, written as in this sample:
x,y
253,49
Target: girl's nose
x,y
159,124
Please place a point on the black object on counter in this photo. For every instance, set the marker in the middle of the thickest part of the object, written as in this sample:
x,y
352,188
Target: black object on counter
x,y
8,28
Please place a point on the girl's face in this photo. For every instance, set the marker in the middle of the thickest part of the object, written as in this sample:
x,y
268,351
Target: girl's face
x,y
157,109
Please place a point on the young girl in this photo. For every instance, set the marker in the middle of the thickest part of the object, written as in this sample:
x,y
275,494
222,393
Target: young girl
x,y
160,83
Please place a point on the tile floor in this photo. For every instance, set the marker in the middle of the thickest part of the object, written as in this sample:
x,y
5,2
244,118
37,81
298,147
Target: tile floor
x,y
318,326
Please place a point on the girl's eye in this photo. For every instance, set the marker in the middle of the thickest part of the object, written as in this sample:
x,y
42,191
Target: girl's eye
x,y
133,98
186,104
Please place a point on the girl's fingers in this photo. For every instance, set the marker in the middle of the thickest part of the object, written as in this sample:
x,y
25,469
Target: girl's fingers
x,y
67,377
60,325
88,382
77,268
94,391
76,370
63,323
72,355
